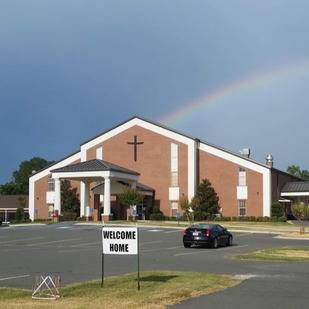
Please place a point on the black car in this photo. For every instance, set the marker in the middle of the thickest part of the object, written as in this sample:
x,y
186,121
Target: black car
x,y
213,235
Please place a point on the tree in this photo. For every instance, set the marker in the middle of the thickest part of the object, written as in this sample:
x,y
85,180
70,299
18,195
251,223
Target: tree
x,y
70,203
295,170
20,182
20,212
300,211
130,197
185,207
205,202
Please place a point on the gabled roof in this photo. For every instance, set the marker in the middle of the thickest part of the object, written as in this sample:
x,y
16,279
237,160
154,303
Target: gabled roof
x,y
180,133
93,165
297,186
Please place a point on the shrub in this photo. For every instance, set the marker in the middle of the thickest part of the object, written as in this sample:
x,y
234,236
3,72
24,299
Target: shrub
x,y
277,210
69,216
157,217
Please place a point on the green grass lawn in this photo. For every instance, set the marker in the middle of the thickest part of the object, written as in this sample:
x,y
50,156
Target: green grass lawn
x,y
158,289
278,255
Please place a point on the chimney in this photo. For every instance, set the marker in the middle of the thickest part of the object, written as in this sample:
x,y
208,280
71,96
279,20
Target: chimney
x,y
245,152
270,160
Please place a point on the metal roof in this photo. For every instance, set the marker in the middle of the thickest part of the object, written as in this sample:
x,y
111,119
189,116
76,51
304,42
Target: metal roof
x,y
297,186
93,165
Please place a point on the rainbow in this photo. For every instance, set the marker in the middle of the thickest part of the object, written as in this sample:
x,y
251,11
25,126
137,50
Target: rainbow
x,y
250,83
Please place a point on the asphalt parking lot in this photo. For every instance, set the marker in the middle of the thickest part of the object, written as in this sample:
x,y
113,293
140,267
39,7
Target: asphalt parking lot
x,y
74,252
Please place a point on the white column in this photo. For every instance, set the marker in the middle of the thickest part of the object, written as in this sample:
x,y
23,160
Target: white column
x,y
107,196
84,200
57,205
133,185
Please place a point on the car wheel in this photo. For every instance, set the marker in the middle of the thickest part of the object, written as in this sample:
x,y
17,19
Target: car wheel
x,y
230,241
215,243
186,245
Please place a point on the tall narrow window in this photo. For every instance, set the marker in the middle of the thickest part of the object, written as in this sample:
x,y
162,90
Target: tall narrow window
x,y
242,181
174,208
174,165
51,184
242,209
99,153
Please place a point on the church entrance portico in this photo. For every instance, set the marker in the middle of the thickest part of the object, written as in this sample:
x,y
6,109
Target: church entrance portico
x,y
93,172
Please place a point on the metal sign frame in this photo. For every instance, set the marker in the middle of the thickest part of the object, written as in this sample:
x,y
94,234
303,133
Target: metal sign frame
x,y
138,259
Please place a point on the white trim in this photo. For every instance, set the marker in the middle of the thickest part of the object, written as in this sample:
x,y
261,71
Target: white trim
x,y
233,158
192,146
265,171
2,209
59,164
31,199
267,198
136,122
295,194
76,175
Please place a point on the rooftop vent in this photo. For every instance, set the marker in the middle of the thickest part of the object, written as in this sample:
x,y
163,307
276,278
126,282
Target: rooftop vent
x,y
245,152
270,160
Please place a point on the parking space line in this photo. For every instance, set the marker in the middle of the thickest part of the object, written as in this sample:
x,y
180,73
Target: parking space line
x,y
52,242
21,239
15,277
174,231
85,244
189,253
150,242
245,234
210,251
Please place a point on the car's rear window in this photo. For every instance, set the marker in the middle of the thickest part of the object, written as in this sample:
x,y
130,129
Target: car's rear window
x,y
202,226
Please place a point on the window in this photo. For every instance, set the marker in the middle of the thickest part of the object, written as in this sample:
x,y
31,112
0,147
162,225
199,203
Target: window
x,y
174,208
174,179
174,165
99,153
242,181
242,209
51,184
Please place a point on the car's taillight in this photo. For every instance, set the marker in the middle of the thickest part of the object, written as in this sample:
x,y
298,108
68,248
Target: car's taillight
x,y
207,233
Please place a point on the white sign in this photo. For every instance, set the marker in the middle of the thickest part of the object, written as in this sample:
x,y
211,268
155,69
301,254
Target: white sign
x,y
120,240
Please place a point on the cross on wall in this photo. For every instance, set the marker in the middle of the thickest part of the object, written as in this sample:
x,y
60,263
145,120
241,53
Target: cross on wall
x,y
135,143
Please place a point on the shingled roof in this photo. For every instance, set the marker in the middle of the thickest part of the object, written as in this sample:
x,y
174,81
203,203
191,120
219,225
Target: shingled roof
x,y
13,201
93,166
297,186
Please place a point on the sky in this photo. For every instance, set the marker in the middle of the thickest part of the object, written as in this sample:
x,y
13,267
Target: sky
x,y
71,69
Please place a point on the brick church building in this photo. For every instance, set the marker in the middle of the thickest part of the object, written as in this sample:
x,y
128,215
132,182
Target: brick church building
x,y
163,165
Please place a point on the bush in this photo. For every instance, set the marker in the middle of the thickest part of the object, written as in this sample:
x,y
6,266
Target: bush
x,y
68,216
277,210
157,217
251,219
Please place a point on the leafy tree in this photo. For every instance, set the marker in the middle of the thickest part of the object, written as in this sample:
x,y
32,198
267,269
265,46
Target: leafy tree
x,y
300,211
185,206
295,170
20,182
205,202
70,203
130,197
10,188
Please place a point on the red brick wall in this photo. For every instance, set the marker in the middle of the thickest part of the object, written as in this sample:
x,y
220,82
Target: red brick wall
x,y
153,160
223,175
